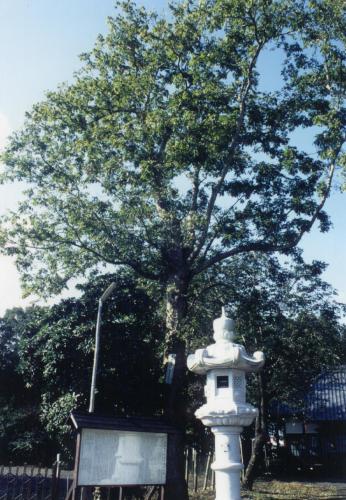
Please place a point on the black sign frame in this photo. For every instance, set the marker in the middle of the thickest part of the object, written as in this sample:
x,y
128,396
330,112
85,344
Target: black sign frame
x,y
136,424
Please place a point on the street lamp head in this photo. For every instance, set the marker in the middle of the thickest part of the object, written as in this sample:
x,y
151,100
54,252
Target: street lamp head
x,y
107,292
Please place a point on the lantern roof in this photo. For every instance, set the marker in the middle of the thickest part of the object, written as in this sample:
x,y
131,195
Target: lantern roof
x,y
224,353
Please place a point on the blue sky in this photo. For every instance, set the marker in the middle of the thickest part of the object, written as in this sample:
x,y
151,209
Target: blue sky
x,y
39,45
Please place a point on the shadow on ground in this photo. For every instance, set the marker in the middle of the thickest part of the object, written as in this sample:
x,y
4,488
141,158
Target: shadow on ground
x,y
287,490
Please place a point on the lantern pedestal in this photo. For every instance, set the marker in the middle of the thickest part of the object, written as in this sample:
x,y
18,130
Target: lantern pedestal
x,y
226,410
227,465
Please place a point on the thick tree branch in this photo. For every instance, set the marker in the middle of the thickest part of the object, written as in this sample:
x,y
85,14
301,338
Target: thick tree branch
x,y
216,234
264,246
231,149
195,189
136,266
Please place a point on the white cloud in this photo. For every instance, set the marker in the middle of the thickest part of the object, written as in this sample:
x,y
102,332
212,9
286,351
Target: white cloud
x,y
5,130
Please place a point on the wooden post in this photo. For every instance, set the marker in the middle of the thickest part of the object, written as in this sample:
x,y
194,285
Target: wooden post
x,y
213,476
194,458
97,493
53,484
70,491
76,463
242,474
55,478
207,471
150,493
187,468
186,455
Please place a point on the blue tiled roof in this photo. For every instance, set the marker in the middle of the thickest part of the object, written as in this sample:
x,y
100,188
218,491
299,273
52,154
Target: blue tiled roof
x,y
278,409
326,401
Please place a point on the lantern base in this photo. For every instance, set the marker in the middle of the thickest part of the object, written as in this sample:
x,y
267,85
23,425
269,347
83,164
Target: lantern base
x,y
227,465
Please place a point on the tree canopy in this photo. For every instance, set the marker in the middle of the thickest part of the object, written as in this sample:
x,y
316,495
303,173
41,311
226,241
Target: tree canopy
x,y
46,352
166,154
169,156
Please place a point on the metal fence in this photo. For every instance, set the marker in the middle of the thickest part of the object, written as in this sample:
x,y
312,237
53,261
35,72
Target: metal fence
x,y
42,483
33,483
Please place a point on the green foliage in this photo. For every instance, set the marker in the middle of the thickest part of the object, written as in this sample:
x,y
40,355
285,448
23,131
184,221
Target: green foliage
x,y
283,309
168,156
53,348
21,435
54,416
286,310
19,430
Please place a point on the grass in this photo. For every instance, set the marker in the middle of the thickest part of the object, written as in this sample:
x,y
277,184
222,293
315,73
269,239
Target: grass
x,y
281,490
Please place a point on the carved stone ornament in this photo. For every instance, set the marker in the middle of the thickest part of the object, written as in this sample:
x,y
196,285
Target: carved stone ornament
x,y
224,353
226,411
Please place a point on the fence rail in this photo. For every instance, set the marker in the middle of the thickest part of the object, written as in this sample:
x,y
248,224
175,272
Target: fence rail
x,y
29,482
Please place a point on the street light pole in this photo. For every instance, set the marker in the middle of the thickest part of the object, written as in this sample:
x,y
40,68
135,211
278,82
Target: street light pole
x,y
102,299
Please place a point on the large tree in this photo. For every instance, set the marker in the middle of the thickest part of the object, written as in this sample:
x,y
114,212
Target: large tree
x,y
292,314
46,352
17,430
167,155
286,310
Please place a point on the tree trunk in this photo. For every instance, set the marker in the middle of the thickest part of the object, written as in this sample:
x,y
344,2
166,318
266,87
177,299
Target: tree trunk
x,y
176,310
260,438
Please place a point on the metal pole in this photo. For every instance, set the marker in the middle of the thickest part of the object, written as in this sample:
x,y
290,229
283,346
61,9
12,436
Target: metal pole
x,y
96,358
104,296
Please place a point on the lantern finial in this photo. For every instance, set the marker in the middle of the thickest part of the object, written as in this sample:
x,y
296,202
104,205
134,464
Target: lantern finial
x,y
223,328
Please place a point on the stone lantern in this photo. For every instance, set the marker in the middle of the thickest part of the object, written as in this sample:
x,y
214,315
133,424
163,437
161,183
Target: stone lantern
x,y
226,410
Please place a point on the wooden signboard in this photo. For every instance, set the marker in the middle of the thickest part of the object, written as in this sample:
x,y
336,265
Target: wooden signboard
x,y
123,451
113,457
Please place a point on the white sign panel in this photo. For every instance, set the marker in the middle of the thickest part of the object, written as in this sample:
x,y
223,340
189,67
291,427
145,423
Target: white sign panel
x,y
112,457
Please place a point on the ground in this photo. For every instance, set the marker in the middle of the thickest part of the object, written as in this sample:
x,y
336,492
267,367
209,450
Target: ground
x,y
287,490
